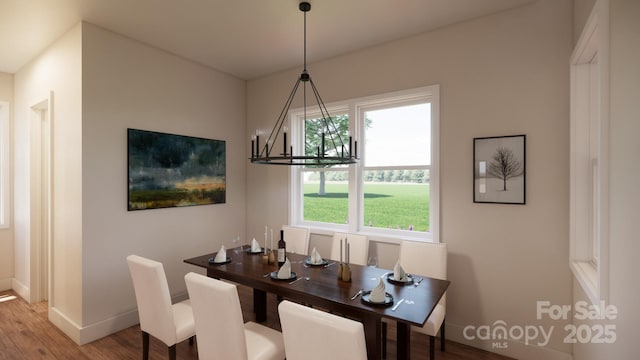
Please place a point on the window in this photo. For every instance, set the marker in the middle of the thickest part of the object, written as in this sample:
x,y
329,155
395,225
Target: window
x,y
589,160
4,164
393,190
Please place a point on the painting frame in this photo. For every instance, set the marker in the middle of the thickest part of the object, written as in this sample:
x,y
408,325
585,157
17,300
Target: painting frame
x,y
499,169
170,170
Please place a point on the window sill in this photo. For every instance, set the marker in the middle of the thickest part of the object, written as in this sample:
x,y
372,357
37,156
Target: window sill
x,y
373,236
587,275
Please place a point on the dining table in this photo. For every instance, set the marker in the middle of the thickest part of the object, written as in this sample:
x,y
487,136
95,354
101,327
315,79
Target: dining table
x,y
408,303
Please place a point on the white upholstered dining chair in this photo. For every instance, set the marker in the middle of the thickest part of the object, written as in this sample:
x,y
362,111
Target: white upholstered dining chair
x,y
428,259
311,334
358,248
168,323
297,239
221,331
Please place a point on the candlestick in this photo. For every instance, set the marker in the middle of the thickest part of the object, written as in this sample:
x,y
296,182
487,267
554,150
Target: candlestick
x,y
341,250
356,149
271,239
323,144
350,147
265,240
253,146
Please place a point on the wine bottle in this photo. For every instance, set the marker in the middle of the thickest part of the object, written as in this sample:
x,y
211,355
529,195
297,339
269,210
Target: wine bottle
x,y
282,249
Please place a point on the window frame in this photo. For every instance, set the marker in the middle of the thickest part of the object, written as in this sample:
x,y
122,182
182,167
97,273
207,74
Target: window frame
x,y
5,138
589,168
356,109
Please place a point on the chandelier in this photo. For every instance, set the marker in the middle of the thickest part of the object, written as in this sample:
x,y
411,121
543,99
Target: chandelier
x,y
333,148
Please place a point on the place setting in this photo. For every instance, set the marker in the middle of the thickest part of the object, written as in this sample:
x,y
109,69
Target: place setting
x,y
255,248
315,260
399,276
378,296
284,273
221,257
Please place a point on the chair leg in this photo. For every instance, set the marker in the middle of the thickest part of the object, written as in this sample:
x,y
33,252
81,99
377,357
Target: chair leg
x,y
172,352
432,345
442,336
384,340
145,345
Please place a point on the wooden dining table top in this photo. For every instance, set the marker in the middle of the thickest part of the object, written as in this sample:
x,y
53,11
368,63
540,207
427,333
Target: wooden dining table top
x,y
323,288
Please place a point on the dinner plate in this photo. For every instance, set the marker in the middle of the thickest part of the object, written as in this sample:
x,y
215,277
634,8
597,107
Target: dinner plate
x,y
261,251
219,263
366,298
274,276
392,280
307,261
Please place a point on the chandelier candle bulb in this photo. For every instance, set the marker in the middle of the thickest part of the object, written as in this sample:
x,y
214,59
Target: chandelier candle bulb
x,y
257,146
253,145
284,148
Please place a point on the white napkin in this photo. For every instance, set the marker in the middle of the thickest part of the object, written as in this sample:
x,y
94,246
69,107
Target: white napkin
x,y
398,273
255,247
221,256
285,270
315,257
378,293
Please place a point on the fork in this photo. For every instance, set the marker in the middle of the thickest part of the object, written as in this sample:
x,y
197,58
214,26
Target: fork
x,y
356,295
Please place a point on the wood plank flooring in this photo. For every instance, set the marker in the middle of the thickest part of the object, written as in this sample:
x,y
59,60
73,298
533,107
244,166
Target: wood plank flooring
x,y
25,333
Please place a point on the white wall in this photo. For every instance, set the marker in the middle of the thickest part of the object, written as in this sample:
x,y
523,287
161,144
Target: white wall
x,y
56,70
502,74
127,84
624,290
6,235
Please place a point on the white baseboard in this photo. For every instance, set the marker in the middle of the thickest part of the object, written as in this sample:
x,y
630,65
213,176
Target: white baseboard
x,y
510,348
66,325
5,284
86,334
21,289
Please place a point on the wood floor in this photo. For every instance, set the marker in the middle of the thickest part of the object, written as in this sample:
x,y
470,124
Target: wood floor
x,y
25,333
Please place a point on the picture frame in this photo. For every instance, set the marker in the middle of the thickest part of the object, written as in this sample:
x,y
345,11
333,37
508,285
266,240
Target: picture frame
x,y
167,170
499,169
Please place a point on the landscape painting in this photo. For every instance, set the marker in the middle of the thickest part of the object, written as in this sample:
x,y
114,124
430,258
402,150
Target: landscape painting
x,y
499,169
166,170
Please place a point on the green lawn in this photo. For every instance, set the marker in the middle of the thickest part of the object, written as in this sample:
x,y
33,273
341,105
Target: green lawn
x,y
385,205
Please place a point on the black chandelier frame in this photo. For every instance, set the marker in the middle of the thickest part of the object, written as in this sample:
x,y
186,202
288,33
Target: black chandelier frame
x,y
327,153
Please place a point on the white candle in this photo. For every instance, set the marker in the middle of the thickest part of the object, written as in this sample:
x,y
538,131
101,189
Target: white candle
x,y
271,239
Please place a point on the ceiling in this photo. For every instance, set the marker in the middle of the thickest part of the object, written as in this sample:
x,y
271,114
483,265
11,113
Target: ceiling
x,y
245,38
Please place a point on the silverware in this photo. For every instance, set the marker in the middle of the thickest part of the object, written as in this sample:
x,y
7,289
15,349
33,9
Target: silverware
x,y
267,274
329,264
396,305
356,295
418,282
295,280
300,278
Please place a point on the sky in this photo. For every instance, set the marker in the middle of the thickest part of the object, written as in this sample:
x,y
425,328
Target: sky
x,y
399,136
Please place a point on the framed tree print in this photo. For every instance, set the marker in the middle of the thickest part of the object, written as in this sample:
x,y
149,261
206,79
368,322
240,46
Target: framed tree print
x,y
499,169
